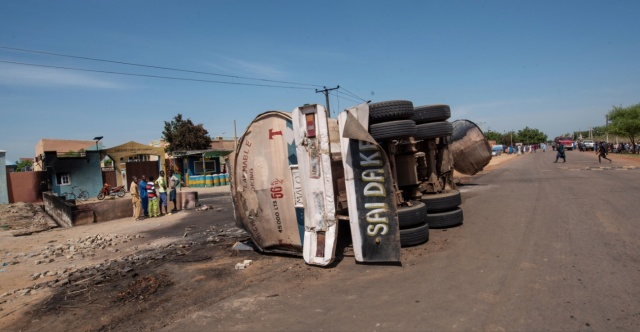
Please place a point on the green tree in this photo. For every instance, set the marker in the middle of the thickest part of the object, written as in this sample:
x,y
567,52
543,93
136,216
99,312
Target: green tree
x,y
531,136
599,131
625,121
493,136
183,135
509,138
24,165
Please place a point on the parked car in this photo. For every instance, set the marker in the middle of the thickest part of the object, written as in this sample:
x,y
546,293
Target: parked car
x,y
497,150
589,145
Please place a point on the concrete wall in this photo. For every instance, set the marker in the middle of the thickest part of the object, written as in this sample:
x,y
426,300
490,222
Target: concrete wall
x,y
67,214
111,209
61,211
4,193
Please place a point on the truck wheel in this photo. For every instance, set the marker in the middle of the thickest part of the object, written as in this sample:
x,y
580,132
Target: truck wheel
x,y
445,201
431,113
410,216
414,236
445,219
392,130
390,110
433,130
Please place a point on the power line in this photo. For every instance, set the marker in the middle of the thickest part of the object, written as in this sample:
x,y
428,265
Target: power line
x,y
352,94
342,96
150,66
153,76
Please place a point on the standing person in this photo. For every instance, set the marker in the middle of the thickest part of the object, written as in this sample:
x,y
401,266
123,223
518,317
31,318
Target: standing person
x,y
135,198
173,183
142,186
602,153
560,154
153,198
162,190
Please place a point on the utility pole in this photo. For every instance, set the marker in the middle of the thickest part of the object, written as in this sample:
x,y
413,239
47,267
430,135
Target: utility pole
x,y
326,95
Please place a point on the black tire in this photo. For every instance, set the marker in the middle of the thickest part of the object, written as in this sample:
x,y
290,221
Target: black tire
x,y
414,236
392,130
121,193
445,219
433,130
410,216
390,110
100,196
445,201
70,196
431,113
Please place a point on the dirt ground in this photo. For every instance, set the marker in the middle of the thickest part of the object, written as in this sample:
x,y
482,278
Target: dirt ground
x,y
131,275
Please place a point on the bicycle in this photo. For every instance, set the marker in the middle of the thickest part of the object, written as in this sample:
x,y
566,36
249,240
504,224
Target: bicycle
x,y
83,195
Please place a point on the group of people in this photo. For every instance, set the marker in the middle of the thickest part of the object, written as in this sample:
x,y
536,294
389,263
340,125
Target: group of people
x,y
149,197
624,147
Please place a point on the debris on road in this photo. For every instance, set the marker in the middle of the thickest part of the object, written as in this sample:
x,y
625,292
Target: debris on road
x,y
243,265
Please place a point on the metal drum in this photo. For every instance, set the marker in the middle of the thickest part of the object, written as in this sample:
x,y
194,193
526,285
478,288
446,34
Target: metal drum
x,y
216,180
471,150
209,181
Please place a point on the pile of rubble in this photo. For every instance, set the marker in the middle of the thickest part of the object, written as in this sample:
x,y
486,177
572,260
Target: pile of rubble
x,y
81,277
75,249
21,217
78,279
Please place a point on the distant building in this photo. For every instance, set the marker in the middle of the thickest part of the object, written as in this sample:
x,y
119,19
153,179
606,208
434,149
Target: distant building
x,y
222,143
10,166
61,146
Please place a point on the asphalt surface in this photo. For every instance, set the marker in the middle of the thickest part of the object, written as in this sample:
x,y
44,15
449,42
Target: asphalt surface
x,y
544,246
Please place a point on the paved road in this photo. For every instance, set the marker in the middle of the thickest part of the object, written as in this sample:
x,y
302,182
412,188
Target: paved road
x,y
544,246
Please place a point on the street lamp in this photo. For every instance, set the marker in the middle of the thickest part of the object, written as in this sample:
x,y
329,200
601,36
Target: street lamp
x,y
97,139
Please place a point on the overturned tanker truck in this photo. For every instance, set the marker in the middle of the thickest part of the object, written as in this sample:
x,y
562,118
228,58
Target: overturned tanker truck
x,y
385,169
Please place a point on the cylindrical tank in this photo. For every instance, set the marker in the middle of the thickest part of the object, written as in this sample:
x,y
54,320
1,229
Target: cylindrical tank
x,y
209,181
224,177
216,180
257,163
471,150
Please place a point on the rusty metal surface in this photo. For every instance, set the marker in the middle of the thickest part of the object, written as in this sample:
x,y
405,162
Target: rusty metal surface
x,y
263,178
471,150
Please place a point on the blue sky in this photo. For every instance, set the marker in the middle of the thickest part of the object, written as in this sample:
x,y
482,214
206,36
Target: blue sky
x,y
558,66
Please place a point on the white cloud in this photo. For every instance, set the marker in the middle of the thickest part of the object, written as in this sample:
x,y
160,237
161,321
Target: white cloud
x,y
50,77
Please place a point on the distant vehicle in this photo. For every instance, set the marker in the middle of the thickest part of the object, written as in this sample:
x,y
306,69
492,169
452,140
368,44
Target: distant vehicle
x,y
497,150
589,145
567,141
